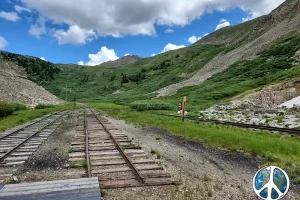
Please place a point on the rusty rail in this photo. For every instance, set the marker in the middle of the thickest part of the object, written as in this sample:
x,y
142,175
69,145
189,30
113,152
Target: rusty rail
x,y
87,153
125,157
31,136
21,129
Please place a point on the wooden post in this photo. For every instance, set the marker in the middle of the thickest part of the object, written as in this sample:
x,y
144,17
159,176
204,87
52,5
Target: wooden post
x,y
183,106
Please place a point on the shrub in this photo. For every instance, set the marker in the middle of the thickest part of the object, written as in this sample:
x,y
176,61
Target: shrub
x,y
152,105
8,108
44,106
19,107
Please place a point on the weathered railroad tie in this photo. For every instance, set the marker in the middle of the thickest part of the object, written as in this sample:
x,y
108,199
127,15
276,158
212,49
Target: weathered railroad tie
x,y
17,144
112,157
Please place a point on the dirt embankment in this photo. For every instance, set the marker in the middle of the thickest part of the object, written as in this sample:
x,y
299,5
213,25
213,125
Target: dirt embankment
x,y
15,87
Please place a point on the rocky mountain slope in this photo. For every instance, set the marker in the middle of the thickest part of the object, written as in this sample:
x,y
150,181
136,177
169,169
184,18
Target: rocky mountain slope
x,y
130,59
248,39
16,87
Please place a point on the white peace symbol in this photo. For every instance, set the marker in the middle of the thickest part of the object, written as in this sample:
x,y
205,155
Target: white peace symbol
x,y
271,185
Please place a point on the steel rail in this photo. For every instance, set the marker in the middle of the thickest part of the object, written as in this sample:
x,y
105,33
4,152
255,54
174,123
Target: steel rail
x,y
125,157
260,127
31,136
23,128
87,153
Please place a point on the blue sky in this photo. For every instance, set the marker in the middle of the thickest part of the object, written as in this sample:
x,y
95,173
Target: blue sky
x,y
92,31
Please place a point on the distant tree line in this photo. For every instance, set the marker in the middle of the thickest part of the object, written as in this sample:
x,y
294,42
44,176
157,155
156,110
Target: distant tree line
x,y
132,78
38,70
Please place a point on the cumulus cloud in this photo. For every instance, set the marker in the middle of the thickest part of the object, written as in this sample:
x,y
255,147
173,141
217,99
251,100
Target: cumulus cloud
x,y
75,35
169,30
3,43
38,28
251,16
127,54
42,58
205,34
193,39
133,17
223,23
20,9
10,16
102,56
170,47
154,54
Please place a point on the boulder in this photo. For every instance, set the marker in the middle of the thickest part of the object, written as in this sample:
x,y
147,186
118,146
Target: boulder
x,y
273,124
255,121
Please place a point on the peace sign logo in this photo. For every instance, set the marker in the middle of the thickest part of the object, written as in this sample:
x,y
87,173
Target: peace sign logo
x,y
271,183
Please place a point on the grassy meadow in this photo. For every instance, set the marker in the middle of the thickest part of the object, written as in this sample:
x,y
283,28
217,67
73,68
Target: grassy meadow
x,y
24,116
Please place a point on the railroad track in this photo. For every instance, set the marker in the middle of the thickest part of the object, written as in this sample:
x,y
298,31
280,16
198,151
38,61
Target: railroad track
x,y
17,144
289,131
110,155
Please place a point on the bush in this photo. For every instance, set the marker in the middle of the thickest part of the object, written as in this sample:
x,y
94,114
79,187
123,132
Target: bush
x,y
8,108
19,107
44,106
152,105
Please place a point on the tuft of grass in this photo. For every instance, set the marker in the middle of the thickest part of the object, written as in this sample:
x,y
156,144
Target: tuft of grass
x,y
70,150
206,178
76,164
297,180
210,193
158,138
102,192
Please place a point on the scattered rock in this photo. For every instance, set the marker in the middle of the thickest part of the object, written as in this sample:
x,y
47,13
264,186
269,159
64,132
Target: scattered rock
x,y
15,179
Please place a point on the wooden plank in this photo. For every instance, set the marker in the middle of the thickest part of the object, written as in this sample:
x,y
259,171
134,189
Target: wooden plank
x,y
149,167
21,154
160,182
9,164
50,187
94,158
120,162
19,158
120,184
75,155
104,153
102,171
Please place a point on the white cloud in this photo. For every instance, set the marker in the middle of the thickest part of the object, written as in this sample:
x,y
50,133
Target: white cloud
x,y
133,17
75,35
127,54
169,30
102,56
38,28
170,47
10,16
223,23
20,9
42,58
153,54
251,16
205,34
193,39
80,63
3,42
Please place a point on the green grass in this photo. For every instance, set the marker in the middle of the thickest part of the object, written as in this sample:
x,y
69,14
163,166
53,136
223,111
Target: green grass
x,y
152,105
275,147
23,116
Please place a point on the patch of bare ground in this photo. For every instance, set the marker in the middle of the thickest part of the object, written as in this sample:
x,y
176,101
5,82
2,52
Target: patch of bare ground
x,y
48,163
204,173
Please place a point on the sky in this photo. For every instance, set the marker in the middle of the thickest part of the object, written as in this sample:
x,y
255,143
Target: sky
x,y
90,32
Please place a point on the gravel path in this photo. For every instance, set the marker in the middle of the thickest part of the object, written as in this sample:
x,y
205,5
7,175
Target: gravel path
x,y
204,173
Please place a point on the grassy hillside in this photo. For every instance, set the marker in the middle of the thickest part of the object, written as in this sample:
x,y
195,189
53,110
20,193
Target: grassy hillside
x,y
270,66
138,81
133,81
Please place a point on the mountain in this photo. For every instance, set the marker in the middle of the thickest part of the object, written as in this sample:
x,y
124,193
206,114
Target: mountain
x,y
220,66
130,59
